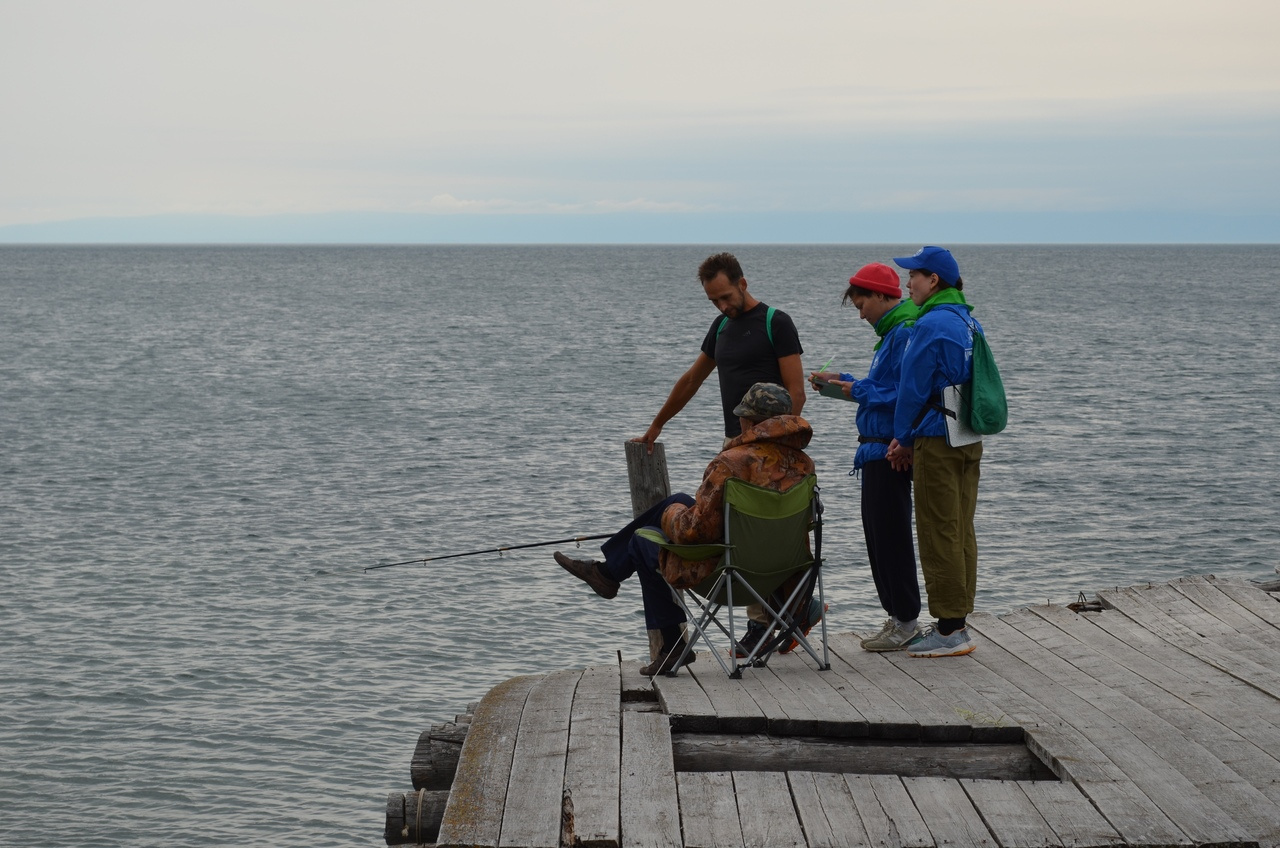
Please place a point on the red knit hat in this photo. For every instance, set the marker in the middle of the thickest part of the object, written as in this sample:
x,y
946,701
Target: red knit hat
x,y
877,277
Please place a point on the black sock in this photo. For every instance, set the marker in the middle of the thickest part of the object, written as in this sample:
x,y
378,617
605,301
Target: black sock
x,y
671,637
947,626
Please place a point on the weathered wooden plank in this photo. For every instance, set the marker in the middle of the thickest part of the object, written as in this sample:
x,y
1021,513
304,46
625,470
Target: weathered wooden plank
x,y
1245,628
909,825
1073,819
886,718
1189,607
787,713
1205,715
1100,681
593,767
950,683
948,812
938,721
1145,613
1070,753
842,812
1054,742
1250,597
818,832
1221,689
421,812
649,805
531,816
1183,610
826,811
473,816
646,474
737,711
759,752
709,810
1120,727
435,759
880,830
1222,606
765,810
394,831
1009,814
632,685
833,714
683,699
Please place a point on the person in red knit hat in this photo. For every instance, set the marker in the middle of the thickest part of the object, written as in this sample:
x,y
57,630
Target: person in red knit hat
x,y
886,487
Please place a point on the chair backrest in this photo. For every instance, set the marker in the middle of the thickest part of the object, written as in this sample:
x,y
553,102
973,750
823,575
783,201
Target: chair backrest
x,y
767,533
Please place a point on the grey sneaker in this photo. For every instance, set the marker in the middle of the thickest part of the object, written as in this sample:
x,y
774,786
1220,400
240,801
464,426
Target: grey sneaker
x,y
894,637
888,625
931,643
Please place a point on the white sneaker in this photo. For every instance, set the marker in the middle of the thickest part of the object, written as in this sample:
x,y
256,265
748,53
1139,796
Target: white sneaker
x,y
893,637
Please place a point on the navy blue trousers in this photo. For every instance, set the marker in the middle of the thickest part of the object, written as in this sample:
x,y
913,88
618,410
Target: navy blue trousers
x,y
626,554
886,522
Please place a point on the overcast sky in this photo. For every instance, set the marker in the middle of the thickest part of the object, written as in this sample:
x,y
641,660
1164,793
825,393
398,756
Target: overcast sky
x,y
135,108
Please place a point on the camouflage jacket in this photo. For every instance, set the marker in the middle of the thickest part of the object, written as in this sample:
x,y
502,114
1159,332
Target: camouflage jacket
x,y
769,454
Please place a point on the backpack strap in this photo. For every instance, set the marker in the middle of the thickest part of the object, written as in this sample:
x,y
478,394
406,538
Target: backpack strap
x,y
768,324
933,403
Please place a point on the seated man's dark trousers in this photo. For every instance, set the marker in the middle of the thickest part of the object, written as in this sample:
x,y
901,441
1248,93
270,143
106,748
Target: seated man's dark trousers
x,y
625,554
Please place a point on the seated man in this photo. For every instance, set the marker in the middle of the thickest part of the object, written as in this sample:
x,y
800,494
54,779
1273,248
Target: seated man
x,y
768,453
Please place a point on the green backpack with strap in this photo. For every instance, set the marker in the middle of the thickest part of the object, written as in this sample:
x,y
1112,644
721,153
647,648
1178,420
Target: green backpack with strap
x,y
768,324
988,407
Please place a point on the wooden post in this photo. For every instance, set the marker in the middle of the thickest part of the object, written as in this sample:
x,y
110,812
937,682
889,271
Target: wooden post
x,y
647,476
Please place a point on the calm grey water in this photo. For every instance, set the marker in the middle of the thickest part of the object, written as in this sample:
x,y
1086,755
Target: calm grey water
x,y
200,448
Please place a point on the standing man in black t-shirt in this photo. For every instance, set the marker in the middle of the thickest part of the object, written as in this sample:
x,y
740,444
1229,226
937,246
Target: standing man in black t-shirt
x,y
748,343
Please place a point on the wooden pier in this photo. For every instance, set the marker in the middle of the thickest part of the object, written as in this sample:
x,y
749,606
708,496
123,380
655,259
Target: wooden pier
x,y
1152,719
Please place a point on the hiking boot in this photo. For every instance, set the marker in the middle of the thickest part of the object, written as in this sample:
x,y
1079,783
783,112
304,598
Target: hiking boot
x,y
589,572
931,643
894,637
812,616
668,661
756,634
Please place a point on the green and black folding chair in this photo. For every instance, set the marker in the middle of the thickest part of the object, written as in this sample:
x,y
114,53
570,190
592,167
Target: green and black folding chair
x,y
766,544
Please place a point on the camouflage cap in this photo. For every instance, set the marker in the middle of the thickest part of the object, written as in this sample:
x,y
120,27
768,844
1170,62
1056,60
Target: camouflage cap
x,y
764,400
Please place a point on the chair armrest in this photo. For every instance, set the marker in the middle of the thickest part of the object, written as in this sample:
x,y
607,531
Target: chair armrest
x,y
689,552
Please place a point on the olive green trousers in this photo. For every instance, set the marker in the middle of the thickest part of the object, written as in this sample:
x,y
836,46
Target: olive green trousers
x,y
945,482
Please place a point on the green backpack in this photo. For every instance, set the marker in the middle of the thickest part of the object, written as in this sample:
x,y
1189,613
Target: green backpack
x,y
988,408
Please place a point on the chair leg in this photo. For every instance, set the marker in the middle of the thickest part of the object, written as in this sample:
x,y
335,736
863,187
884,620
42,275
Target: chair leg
x,y
785,615
782,618
698,624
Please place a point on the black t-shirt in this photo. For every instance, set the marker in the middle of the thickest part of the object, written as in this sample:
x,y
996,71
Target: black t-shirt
x,y
745,357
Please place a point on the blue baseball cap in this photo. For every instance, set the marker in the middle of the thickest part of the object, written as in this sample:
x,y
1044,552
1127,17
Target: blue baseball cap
x,y
935,260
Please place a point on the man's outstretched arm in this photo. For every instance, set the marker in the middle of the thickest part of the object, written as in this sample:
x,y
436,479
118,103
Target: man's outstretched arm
x,y
683,391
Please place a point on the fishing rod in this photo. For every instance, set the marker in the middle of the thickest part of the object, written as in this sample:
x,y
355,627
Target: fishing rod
x,y
497,550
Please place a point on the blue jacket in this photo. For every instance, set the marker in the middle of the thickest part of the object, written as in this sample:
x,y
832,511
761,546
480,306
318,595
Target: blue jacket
x,y
877,394
939,353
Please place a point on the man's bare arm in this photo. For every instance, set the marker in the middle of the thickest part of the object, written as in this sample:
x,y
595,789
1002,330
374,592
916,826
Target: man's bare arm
x,y
793,380
681,393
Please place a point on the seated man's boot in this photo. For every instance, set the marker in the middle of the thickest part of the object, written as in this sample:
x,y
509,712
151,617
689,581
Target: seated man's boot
x,y
589,572
668,661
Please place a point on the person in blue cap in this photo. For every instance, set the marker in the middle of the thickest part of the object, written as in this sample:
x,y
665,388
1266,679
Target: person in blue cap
x,y
939,353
